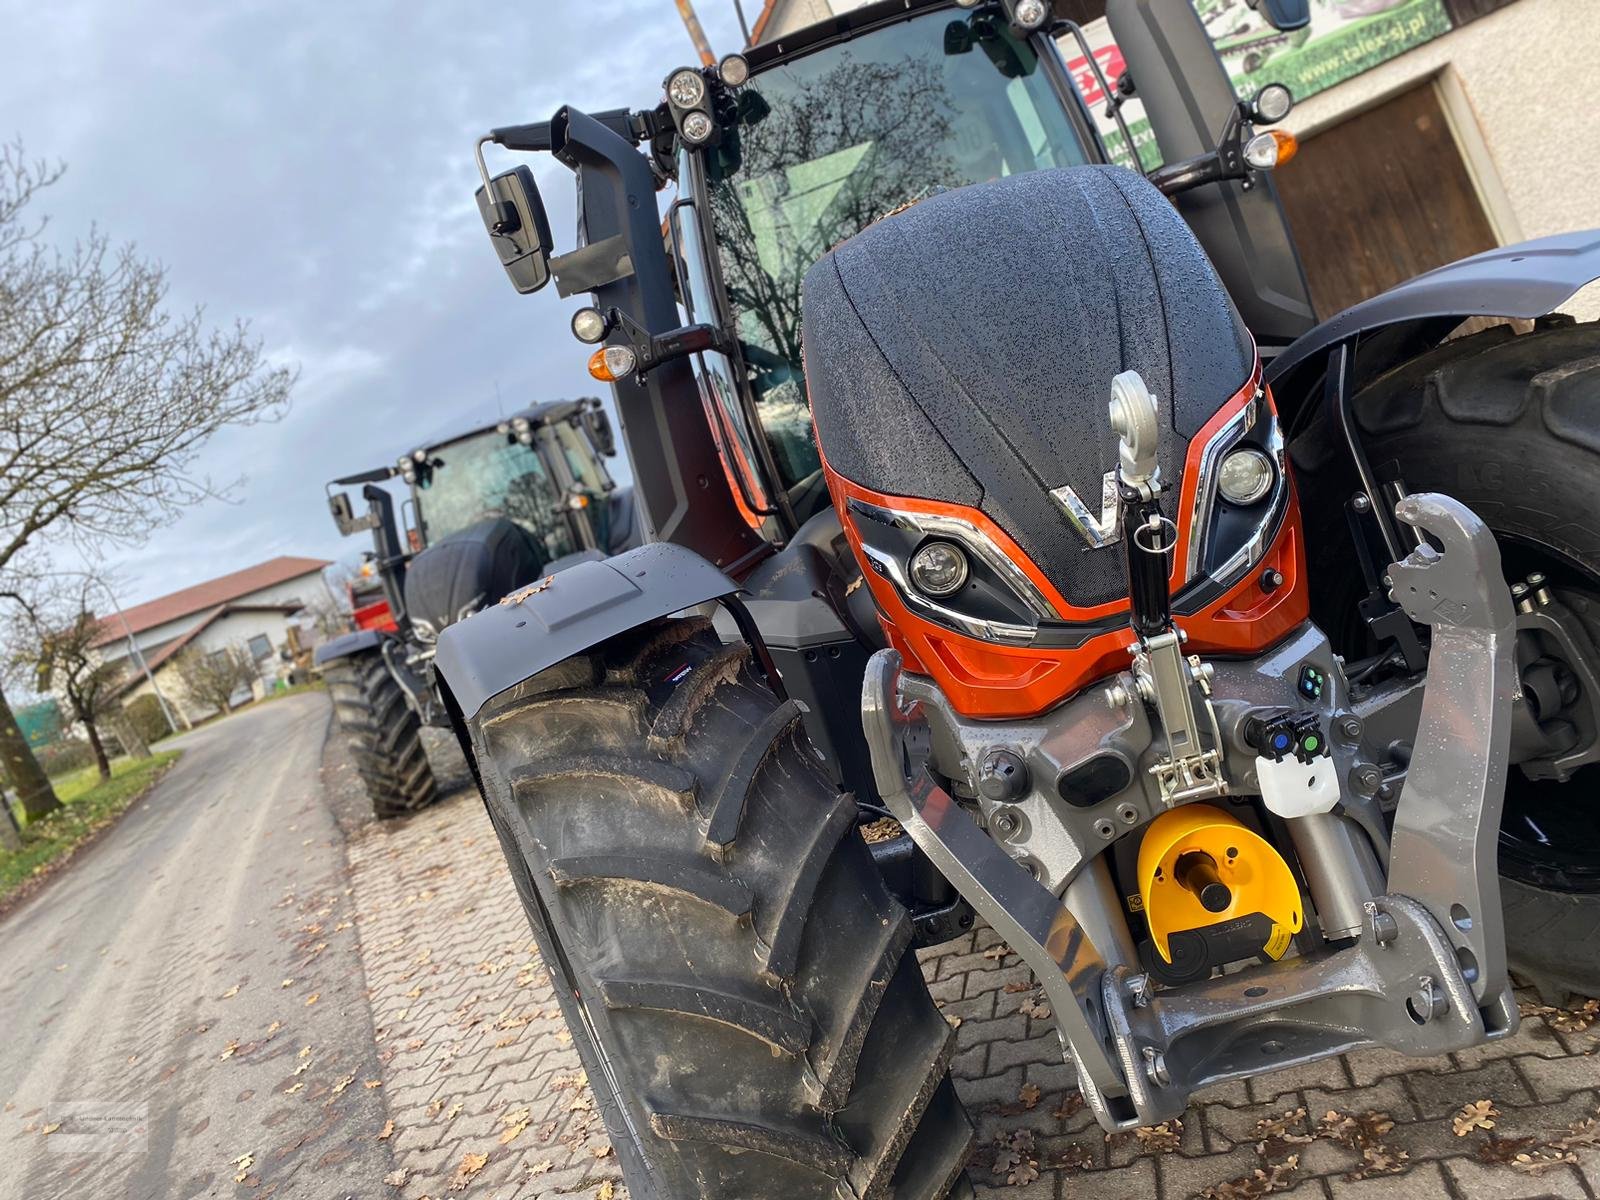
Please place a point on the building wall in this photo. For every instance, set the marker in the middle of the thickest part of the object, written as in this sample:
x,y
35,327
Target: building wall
x,y
1512,87
308,589
789,15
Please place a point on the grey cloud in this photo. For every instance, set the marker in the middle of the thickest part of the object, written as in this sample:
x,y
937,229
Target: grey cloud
x,y
307,166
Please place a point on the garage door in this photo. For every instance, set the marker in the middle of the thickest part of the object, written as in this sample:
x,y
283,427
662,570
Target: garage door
x,y
1379,198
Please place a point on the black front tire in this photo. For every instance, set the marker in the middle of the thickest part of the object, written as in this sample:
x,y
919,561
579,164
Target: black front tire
x,y
1510,426
737,980
383,733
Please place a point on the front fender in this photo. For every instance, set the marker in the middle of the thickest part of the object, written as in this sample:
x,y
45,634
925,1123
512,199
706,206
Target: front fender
x,y
347,644
567,613
1527,280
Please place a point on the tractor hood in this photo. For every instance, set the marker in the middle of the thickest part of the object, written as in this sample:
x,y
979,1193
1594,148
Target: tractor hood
x,y
1527,280
475,566
962,351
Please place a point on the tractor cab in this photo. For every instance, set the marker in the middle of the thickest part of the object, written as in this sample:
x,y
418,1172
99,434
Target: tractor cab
x,y
779,154
543,469
516,497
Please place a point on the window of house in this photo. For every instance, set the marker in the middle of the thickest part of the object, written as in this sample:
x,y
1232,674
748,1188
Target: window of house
x,y
260,647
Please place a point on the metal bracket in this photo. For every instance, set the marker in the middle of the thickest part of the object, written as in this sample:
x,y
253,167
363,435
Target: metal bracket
x,y
1033,922
1405,992
1443,851
1164,678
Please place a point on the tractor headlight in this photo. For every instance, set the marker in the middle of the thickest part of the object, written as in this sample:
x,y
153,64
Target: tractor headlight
x,y
1272,104
1030,14
733,70
696,127
419,456
589,325
520,424
1246,476
686,88
939,568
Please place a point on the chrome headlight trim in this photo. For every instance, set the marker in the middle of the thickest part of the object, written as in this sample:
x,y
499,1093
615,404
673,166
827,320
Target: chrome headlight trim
x,y
975,542
1200,520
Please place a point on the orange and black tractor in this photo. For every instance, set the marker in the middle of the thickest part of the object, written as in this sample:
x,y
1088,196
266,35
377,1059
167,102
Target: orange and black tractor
x,y
484,510
1020,551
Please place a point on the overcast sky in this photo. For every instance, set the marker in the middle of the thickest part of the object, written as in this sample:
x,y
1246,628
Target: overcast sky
x,y
307,166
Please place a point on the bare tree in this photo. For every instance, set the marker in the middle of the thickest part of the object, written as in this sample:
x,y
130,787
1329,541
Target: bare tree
x,y
53,634
106,398
212,677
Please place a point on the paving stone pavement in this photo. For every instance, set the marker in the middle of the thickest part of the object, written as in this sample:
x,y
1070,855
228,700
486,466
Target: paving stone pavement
x,y
476,1058
478,1062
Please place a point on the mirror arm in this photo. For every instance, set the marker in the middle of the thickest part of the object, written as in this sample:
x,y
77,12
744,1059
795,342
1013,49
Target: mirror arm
x,y
652,349
1214,166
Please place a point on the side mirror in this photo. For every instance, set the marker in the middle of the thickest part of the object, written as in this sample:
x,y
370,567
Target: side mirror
x,y
513,213
598,423
344,517
1287,15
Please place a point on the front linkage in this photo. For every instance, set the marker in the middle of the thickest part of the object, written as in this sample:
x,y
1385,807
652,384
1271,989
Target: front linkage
x,y
1411,954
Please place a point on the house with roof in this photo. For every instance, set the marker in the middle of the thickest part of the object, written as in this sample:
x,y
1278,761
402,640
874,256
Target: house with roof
x,y
256,608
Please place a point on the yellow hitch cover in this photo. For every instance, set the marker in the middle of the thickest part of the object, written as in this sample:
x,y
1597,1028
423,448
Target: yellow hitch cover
x,y
1198,866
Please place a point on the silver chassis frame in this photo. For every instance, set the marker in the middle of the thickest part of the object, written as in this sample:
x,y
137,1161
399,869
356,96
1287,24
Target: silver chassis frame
x,y
1426,975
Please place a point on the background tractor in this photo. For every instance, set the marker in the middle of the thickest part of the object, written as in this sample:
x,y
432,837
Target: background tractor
x,y
948,618
487,510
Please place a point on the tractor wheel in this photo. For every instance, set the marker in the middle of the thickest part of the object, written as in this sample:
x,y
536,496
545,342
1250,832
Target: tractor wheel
x,y
1510,426
738,982
384,735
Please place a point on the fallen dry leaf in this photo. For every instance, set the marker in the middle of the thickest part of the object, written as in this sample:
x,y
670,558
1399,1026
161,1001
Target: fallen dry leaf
x,y
50,1128
313,998
230,1049
1567,1020
471,1164
343,1083
397,1177
1260,1182
997,951
607,1191
1029,1094
1016,986
1071,1105
369,1084
244,1162
1479,1114
1011,1151
230,993
955,1021
287,983
540,1167
1035,1007
1160,1139
388,1131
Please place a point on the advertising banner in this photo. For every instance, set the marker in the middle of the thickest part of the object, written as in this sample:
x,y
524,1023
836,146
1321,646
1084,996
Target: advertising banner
x,y
1344,38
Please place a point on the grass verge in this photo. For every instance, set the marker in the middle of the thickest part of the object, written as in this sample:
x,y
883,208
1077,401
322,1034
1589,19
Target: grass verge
x,y
89,807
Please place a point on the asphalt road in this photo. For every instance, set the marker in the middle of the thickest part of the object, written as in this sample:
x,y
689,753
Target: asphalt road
x,y
183,1012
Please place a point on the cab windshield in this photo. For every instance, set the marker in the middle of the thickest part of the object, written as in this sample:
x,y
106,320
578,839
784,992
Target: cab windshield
x,y
827,144
491,475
